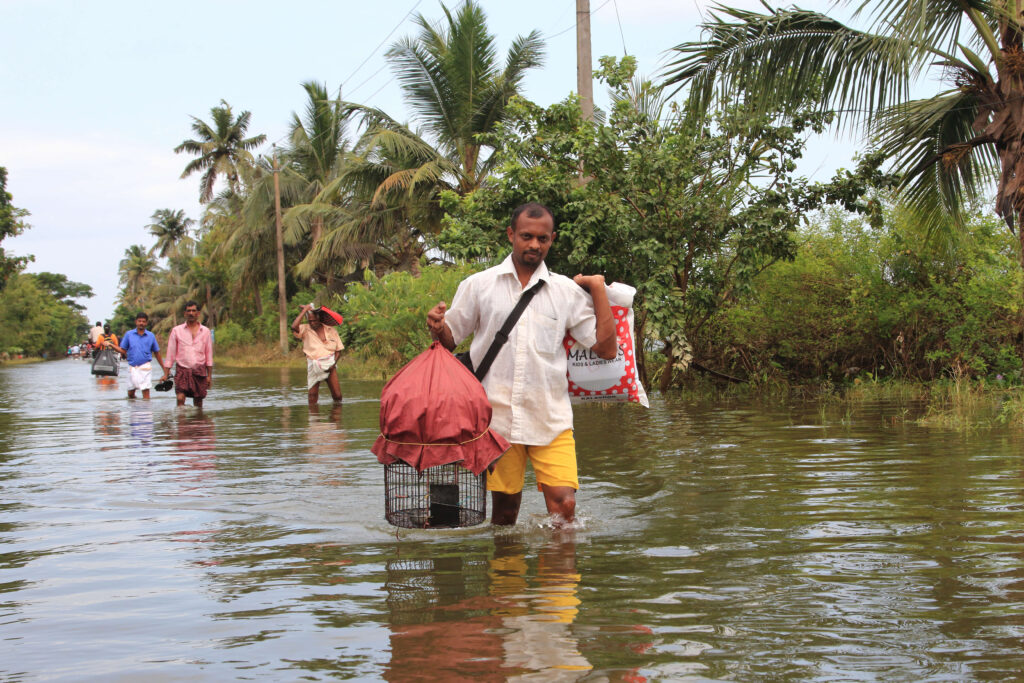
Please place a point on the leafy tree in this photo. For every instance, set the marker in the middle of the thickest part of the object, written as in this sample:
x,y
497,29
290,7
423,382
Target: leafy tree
x,y
206,280
316,152
250,240
34,322
220,149
11,223
391,184
687,209
384,316
200,271
876,302
64,290
171,229
950,145
123,318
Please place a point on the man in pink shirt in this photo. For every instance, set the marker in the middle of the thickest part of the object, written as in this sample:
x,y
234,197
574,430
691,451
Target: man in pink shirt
x,y
190,345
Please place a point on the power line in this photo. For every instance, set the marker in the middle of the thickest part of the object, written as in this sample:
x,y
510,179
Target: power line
x,y
558,21
623,35
370,78
386,38
592,13
386,84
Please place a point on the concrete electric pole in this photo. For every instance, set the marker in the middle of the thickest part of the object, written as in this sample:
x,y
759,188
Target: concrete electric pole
x,y
584,68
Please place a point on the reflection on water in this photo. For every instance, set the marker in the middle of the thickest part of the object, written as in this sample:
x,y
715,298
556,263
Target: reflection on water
x,y
538,643
440,619
474,617
141,420
195,442
106,383
719,542
108,425
326,441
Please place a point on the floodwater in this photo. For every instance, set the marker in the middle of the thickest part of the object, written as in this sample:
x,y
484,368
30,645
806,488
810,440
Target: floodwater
x,y
247,541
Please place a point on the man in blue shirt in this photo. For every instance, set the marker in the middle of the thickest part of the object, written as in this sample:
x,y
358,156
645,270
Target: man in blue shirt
x,y
140,345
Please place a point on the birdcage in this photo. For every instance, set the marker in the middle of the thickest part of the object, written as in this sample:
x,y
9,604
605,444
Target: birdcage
x,y
439,497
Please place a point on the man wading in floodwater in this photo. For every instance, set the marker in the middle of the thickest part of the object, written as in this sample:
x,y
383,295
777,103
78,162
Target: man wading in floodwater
x,y
527,384
322,346
139,347
190,345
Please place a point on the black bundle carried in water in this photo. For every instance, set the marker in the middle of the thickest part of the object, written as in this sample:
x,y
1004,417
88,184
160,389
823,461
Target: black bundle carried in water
x,y
107,363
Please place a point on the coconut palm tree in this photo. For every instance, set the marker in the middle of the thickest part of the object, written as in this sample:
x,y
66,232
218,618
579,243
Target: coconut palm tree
x,y
452,80
952,147
314,159
171,229
220,149
384,193
240,247
138,272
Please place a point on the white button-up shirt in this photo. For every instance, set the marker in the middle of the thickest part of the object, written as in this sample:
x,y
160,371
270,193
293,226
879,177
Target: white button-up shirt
x,y
527,384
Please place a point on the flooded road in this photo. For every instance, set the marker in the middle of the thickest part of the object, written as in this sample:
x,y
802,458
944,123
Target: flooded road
x,y
716,542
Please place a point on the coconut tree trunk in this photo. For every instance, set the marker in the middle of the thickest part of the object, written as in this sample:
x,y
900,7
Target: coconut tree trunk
x,y
282,300
259,299
210,307
316,231
1020,322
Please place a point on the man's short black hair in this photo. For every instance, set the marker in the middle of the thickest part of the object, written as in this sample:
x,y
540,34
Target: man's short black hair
x,y
191,303
532,210
99,324
142,314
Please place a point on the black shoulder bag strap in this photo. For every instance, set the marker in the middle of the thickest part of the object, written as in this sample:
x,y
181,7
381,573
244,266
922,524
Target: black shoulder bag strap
x,y
502,336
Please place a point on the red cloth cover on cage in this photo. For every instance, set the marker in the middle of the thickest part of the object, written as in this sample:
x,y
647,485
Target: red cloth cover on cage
x,y
434,412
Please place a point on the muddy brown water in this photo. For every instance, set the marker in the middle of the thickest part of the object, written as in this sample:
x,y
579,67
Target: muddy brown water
x,y
735,541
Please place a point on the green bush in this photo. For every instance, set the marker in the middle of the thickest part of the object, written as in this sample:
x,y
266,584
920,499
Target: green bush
x,y
877,302
232,334
385,318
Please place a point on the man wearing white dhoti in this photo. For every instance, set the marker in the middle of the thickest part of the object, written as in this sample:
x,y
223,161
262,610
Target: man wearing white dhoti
x,y
140,345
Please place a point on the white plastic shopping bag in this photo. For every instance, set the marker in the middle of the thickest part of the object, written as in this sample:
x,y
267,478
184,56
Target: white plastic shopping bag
x,y
592,378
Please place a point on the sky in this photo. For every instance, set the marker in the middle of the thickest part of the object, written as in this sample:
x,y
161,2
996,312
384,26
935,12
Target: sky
x,y
95,96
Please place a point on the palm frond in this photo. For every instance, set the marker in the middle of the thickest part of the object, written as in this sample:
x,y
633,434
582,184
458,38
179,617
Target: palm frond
x,y
773,62
946,165
920,23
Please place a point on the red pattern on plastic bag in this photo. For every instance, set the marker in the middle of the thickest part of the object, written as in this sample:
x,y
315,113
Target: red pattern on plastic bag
x,y
592,378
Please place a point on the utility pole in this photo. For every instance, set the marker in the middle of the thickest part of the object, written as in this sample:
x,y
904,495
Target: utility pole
x,y
282,301
584,68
